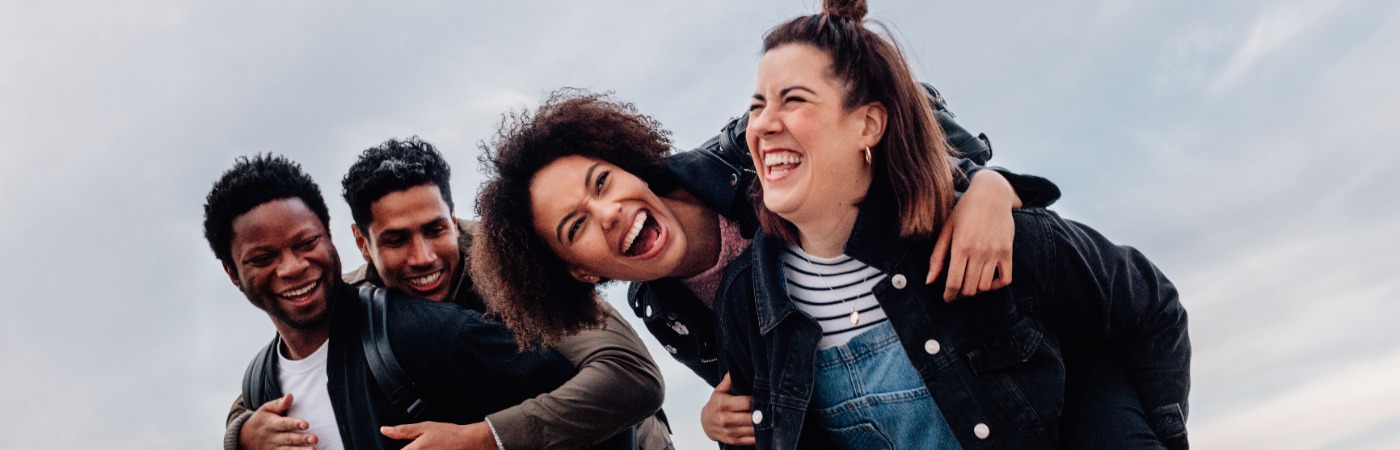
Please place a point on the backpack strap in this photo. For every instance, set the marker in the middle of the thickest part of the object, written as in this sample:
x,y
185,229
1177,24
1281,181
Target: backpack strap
x,y
390,376
260,380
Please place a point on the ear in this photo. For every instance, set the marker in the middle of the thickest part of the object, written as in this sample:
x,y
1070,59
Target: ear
x,y
875,116
232,276
362,242
583,276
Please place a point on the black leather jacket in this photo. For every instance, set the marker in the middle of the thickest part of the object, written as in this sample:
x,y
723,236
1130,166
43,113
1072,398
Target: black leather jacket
x,y
993,363
719,174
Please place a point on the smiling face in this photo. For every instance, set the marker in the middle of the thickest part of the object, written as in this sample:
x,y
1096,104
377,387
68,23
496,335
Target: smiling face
x,y
286,264
605,222
412,241
809,149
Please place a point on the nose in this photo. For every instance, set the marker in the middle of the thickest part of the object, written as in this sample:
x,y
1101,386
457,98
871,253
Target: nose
x,y
606,212
421,252
291,265
764,122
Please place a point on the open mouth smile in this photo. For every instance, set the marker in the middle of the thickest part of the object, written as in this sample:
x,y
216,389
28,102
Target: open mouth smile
x,y
779,163
298,294
643,237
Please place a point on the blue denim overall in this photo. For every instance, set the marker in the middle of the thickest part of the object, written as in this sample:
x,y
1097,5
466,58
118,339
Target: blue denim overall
x,y
868,396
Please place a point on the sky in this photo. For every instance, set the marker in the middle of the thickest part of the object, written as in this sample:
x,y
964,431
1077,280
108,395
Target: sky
x,y
1238,144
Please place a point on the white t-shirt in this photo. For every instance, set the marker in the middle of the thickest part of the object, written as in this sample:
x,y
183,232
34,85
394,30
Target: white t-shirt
x,y
306,380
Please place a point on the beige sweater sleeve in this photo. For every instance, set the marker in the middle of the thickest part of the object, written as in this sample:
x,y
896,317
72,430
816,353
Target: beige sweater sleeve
x,y
618,385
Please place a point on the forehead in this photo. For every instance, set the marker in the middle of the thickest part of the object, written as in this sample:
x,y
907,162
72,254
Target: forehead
x,y
273,222
409,207
559,184
792,64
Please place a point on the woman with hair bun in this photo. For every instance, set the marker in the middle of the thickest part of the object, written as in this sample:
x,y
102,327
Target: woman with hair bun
x,y
585,190
824,325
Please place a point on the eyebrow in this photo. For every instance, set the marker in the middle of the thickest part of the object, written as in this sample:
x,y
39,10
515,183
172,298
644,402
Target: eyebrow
x,y
559,229
785,91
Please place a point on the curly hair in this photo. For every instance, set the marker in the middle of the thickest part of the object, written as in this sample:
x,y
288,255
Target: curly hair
x,y
391,167
910,164
249,184
525,283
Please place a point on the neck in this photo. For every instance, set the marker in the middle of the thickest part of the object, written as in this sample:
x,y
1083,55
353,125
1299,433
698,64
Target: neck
x,y
298,344
825,235
701,228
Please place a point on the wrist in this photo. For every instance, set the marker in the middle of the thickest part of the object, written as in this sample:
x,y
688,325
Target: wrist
x,y
484,433
234,437
1000,189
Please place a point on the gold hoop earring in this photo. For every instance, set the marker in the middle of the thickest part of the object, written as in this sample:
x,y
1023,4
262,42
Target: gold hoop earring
x,y
867,155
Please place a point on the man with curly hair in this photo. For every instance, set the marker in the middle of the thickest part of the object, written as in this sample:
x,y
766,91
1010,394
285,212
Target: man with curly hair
x,y
268,225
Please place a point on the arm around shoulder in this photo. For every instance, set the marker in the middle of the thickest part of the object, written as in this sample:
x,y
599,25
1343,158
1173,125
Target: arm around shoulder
x,y
617,386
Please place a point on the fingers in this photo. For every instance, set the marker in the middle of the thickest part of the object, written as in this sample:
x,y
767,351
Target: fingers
x,y
955,277
1003,274
294,440
403,432
278,406
287,424
989,274
724,384
940,251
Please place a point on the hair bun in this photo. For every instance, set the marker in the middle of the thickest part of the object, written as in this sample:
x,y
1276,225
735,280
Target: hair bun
x,y
848,9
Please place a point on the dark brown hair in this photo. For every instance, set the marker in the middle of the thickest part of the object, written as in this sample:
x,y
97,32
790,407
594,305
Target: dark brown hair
x,y
910,162
523,281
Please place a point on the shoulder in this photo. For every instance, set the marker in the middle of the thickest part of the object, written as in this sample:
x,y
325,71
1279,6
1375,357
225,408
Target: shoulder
x,y
358,276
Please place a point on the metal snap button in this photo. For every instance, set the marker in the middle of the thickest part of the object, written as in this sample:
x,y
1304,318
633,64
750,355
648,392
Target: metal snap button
x,y
981,431
931,347
757,417
898,281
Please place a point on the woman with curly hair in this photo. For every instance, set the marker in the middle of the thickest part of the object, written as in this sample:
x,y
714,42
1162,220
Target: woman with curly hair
x,y
586,190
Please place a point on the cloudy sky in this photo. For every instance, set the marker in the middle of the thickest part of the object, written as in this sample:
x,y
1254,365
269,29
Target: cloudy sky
x,y
1238,144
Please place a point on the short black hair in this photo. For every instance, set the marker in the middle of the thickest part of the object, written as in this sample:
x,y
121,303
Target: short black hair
x,y
393,166
249,184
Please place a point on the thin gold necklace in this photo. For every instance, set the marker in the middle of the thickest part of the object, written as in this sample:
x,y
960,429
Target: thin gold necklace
x,y
855,315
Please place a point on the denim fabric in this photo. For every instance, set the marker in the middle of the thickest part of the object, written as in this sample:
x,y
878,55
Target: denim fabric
x,y
994,363
868,396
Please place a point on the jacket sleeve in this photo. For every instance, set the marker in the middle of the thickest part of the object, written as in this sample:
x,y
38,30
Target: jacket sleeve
x,y
617,385
734,317
1114,294
237,415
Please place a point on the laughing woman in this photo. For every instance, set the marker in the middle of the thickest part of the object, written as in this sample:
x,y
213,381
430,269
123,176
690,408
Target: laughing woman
x,y
585,190
823,323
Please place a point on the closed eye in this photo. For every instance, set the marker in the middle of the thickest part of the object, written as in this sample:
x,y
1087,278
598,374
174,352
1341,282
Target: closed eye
x,y
601,181
573,229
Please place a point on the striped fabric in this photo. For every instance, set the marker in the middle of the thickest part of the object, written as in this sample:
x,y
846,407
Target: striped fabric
x,y
828,289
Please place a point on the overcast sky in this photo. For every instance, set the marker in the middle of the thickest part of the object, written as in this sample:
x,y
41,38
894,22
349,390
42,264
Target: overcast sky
x,y
1238,144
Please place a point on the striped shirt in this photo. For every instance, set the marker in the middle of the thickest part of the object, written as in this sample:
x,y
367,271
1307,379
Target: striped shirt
x,y
829,289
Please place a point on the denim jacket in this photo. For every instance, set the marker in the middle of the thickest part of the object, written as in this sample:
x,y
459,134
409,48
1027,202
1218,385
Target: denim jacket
x,y
992,363
719,174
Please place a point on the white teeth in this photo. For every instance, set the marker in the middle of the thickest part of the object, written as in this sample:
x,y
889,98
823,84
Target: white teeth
x,y
773,159
300,292
636,229
426,279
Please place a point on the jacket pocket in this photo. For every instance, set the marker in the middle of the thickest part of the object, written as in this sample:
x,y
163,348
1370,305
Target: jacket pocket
x,y
1023,374
1017,345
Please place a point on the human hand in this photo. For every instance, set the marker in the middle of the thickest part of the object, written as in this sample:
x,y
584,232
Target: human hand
x,y
728,418
268,429
438,435
977,238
